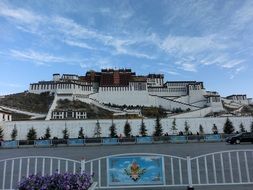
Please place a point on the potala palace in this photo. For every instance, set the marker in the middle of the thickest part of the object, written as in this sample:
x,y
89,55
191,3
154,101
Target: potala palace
x,y
123,87
122,92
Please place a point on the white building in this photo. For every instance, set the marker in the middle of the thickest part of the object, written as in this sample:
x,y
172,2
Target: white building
x,y
68,114
5,115
124,87
239,98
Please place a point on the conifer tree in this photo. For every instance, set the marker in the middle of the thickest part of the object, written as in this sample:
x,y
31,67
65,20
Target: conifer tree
x,y
127,129
186,128
215,129
201,130
97,130
242,129
65,133
173,127
47,133
158,127
1,133
143,129
14,133
81,133
113,132
32,134
228,127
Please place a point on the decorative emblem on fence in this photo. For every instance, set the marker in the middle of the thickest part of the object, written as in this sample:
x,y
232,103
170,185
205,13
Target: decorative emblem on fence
x,y
135,170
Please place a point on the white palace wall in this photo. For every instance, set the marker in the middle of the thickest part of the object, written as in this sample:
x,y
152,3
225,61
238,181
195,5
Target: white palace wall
x,y
169,104
127,97
196,96
89,125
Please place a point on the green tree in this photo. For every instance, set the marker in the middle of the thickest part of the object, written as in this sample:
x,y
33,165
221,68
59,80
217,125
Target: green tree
x,y
65,133
143,129
251,127
127,129
228,127
47,133
173,127
32,134
97,130
215,129
81,133
186,128
1,133
201,130
14,133
113,132
242,129
158,127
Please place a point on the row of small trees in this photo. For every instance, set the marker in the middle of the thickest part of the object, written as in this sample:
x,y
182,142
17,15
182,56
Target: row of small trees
x,y
228,128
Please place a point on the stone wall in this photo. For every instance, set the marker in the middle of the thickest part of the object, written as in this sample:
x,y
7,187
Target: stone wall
x,y
89,125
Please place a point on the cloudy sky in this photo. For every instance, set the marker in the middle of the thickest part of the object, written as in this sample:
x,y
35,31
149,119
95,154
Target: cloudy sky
x,y
209,41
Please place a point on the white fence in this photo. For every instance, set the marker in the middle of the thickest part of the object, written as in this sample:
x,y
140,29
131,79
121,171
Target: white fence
x,y
219,168
13,169
222,168
175,170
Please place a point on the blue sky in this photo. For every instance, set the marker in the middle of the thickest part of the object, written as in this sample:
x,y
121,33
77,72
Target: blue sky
x,y
209,41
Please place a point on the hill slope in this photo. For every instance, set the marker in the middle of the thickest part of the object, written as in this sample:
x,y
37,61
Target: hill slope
x,y
93,112
38,103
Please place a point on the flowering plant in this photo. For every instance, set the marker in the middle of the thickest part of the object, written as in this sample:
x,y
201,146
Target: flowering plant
x,y
57,181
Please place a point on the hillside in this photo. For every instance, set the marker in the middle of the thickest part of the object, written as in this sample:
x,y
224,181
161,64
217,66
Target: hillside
x,y
93,112
37,103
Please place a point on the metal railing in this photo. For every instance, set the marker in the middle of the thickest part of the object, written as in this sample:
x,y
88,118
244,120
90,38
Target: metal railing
x,y
175,169
13,169
223,168
232,167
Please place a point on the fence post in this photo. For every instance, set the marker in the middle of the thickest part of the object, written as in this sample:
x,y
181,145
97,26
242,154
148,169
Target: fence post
x,y
189,172
82,165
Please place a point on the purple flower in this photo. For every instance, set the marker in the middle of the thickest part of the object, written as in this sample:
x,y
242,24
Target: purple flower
x,y
57,181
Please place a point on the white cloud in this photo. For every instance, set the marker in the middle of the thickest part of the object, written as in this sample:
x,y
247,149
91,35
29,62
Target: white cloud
x,y
222,60
37,57
232,64
126,15
97,62
105,10
170,71
173,73
70,32
187,63
45,59
79,44
239,69
188,45
189,67
243,16
20,15
71,28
